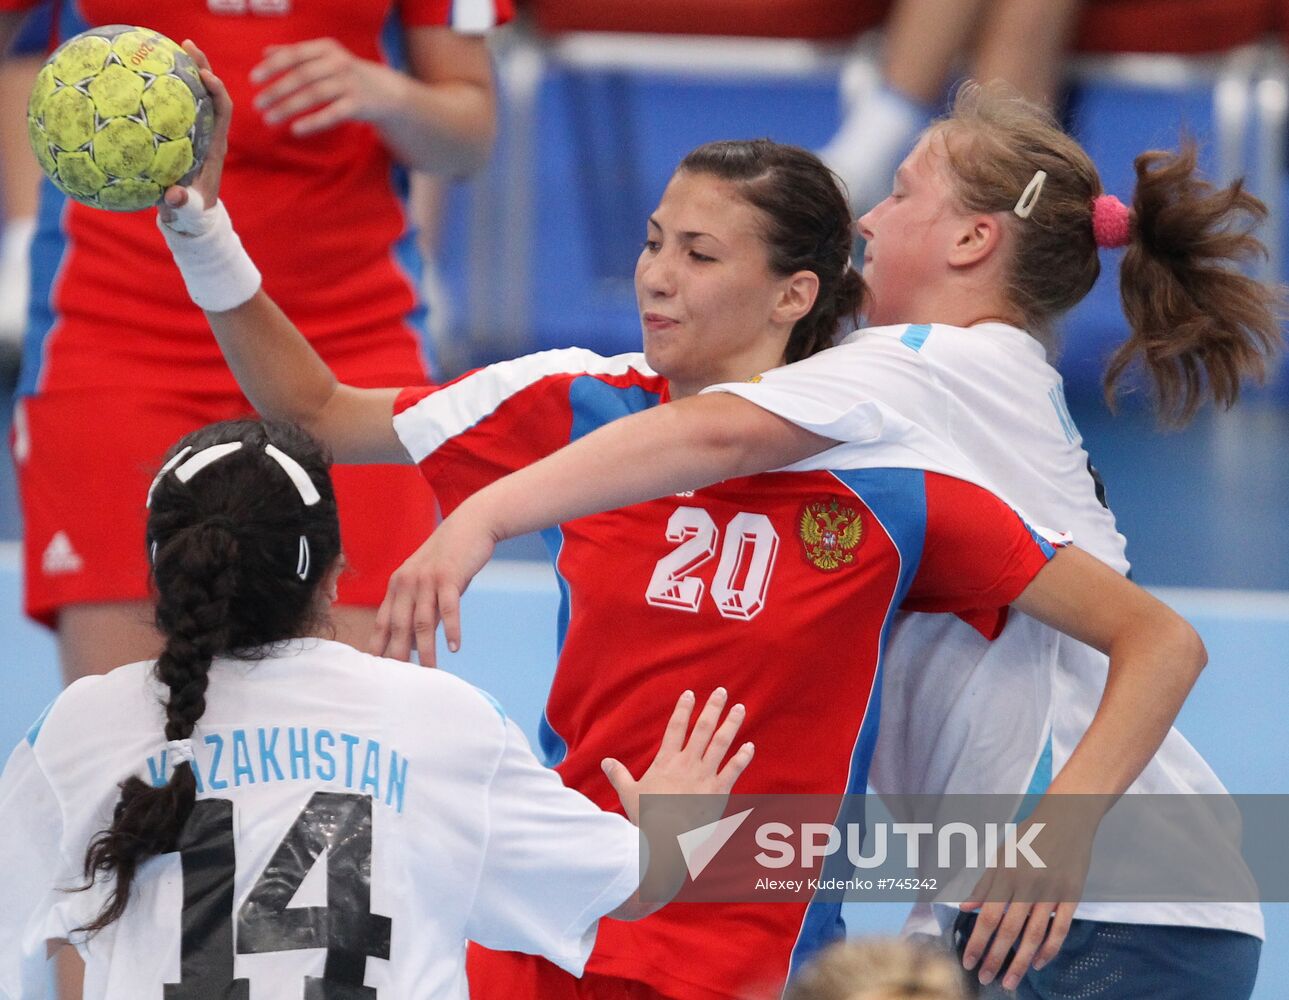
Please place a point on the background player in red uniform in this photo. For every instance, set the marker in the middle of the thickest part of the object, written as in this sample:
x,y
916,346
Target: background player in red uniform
x,y
118,363
746,264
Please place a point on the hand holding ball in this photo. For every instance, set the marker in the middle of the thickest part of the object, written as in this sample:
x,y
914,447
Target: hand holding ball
x,y
117,115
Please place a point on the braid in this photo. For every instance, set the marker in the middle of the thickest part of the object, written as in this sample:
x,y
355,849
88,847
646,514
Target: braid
x,y
224,565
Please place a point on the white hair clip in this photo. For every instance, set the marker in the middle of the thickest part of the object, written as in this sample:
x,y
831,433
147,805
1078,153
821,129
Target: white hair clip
x,y
205,457
308,492
1029,197
302,560
175,460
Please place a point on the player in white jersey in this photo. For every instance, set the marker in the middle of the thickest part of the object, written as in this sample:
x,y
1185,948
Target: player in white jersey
x,y
264,813
991,233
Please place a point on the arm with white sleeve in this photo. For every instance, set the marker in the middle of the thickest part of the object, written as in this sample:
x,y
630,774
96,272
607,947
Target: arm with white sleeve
x,y
554,863
31,828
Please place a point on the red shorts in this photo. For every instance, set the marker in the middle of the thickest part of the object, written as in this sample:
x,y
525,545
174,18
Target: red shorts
x,y
508,975
85,461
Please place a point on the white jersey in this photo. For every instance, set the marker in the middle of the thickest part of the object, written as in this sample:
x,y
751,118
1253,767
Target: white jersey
x,y
357,820
989,391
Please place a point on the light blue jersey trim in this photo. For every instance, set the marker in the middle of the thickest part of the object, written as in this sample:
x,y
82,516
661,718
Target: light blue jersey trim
x,y
915,336
34,731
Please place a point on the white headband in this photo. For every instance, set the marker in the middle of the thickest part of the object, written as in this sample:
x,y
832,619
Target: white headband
x,y
309,494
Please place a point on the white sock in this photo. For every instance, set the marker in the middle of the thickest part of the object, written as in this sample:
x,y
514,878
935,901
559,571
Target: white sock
x,y
15,277
876,134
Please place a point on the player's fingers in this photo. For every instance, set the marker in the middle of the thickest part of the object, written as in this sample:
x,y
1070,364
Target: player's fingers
x,y
619,776
340,110
1028,945
401,601
379,640
987,919
314,71
706,723
1056,934
425,623
307,98
1009,929
721,740
673,737
449,602
280,58
195,53
734,768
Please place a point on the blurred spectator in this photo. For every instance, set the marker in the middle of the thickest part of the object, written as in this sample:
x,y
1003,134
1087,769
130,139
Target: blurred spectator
x,y
881,969
1020,41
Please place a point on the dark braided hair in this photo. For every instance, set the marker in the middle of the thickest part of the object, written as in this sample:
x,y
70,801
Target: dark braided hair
x,y
809,227
225,549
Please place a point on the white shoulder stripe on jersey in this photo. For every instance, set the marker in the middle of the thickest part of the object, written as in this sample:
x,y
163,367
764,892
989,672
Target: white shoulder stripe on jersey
x,y
424,427
473,16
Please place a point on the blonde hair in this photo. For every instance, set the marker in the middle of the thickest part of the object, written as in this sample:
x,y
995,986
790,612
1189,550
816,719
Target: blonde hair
x,y
1198,325
880,969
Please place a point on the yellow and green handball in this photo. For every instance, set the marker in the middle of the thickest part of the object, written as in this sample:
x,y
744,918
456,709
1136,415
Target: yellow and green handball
x,y
117,115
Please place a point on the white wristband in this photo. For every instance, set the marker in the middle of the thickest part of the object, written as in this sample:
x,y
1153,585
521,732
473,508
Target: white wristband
x,y
216,269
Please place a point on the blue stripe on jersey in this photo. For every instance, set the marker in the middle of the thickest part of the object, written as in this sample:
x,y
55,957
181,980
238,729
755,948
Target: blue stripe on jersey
x,y
34,731
897,498
915,336
554,746
407,250
1057,396
48,248
1049,550
594,403
492,701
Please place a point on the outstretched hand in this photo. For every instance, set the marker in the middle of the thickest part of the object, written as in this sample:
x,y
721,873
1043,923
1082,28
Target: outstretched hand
x,y
693,766
427,589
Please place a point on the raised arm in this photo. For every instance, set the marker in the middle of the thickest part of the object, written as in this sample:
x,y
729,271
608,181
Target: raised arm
x,y
680,446
277,369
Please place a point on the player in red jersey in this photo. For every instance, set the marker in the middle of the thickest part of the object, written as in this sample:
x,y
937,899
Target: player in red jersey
x,y
118,363
787,579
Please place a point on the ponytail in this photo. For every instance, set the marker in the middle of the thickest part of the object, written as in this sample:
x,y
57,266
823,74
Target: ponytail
x,y
197,579
1199,326
226,548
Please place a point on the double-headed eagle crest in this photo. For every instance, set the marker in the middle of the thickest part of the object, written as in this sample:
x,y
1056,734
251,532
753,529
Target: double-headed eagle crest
x,y
830,532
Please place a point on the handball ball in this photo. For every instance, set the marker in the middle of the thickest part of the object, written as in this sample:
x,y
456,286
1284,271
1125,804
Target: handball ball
x,y
117,115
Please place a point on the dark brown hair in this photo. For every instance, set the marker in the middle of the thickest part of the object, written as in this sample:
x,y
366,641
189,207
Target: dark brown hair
x,y
225,551
1197,323
808,227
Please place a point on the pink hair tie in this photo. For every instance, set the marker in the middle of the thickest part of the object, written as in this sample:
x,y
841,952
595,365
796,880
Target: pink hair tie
x,y
1110,221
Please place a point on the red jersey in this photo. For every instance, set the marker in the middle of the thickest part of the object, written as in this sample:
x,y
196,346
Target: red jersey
x,y
322,215
780,587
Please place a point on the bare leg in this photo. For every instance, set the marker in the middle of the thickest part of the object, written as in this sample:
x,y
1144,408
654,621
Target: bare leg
x,y
923,40
21,171
1024,43
94,638
19,188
